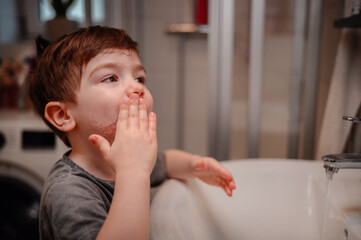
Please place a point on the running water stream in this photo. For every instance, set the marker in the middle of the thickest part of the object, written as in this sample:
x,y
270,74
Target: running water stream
x,y
329,175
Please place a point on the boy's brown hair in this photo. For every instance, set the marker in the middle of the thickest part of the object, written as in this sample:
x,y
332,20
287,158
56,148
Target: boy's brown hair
x,y
59,67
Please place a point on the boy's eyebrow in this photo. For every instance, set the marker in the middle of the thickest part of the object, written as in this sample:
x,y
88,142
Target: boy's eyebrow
x,y
105,65
137,67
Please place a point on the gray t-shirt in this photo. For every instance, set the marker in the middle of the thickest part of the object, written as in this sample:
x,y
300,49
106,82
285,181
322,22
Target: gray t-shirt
x,y
74,203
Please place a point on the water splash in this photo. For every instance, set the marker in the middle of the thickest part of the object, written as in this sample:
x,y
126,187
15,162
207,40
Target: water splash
x,y
329,176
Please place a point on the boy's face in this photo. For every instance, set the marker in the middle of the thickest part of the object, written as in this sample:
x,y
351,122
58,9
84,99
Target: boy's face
x,y
108,78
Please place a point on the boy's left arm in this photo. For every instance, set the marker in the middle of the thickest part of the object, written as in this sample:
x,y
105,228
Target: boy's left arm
x,y
182,165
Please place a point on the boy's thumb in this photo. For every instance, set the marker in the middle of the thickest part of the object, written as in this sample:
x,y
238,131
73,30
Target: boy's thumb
x,y
100,143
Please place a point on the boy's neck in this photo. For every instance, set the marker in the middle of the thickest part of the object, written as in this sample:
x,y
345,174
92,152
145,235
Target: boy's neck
x,y
92,161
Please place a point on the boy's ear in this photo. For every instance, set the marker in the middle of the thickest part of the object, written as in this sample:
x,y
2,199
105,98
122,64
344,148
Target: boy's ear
x,y
58,115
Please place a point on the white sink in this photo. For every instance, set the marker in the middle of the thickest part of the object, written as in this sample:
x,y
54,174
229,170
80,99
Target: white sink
x,y
274,199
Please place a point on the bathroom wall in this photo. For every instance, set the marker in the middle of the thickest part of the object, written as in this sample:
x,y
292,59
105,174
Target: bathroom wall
x,y
238,134
160,56
277,59
277,63
160,53
330,37
145,20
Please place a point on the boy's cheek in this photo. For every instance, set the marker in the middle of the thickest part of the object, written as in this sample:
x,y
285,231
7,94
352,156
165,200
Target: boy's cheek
x,y
103,121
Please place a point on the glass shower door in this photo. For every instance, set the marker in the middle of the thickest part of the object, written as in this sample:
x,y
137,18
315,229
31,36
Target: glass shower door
x,y
274,90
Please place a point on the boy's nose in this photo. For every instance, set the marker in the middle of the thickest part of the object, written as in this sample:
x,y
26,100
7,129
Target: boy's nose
x,y
136,88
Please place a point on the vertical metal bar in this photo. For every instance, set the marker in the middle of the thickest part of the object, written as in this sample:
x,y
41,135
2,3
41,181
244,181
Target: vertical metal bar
x,y
311,78
296,77
255,75
213,75
220,53
226,76
88,18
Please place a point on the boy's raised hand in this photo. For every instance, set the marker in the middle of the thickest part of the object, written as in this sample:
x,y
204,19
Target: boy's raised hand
x,y
132,156
135,143
212,172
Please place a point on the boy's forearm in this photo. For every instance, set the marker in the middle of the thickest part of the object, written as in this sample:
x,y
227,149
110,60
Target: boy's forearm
x,y
183,165
128,216
179,164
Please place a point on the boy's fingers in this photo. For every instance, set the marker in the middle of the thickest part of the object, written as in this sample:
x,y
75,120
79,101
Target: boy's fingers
x,y
123,115
232,185
133,121
226,175
101,144
229,192
143,116
152,124
225,188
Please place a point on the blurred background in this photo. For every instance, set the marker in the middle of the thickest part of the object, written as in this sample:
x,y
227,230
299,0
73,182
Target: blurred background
x,y
232,79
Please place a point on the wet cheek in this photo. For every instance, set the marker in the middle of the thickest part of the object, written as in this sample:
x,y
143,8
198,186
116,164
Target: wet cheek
x,y
103,121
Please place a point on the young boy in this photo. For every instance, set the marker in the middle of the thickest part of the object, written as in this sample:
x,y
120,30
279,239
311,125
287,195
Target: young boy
x,y
89,87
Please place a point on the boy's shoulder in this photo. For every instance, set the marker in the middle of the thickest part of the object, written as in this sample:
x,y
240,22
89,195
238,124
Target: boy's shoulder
x,y
71,197
67,178
63,174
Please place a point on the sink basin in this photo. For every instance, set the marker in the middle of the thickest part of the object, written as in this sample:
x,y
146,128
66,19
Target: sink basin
x,y
274,199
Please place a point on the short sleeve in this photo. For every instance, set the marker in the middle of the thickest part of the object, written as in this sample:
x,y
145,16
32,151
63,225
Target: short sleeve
x,y
76,209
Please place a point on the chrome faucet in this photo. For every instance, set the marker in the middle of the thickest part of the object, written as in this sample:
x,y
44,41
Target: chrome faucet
x,y
333,162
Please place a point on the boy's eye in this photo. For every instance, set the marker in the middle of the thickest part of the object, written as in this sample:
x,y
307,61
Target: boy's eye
x,y
140,80
110,79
